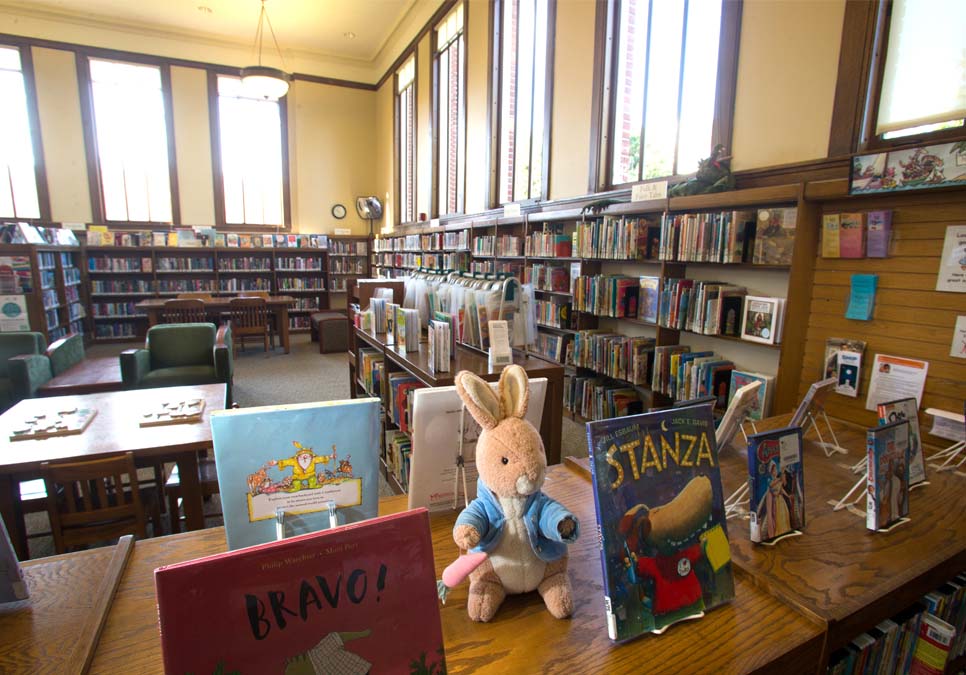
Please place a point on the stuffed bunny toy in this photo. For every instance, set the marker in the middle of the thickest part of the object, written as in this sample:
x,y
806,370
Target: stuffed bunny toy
x,y
523,532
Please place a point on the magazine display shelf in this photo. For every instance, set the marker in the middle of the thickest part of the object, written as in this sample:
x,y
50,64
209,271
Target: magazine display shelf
x,y
798,273
416,364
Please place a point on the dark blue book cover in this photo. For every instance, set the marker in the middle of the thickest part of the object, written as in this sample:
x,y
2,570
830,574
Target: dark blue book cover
x,y
777,484
660,516
887,499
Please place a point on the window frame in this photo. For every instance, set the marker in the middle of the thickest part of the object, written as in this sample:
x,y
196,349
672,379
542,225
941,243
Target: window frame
x,y
397,135
33,119
216,168
461,113
606,46
496,106
82,59
862,57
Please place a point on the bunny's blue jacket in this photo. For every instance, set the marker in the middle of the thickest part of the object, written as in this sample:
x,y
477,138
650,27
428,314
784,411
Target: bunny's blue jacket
x,y
542,515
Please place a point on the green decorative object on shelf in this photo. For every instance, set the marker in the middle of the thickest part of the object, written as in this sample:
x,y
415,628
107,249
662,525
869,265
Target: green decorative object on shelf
x,y
714,175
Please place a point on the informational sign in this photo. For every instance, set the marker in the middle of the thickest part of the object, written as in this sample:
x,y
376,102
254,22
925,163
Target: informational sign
x,y
959,338
952,267
895,377
652,190
13,313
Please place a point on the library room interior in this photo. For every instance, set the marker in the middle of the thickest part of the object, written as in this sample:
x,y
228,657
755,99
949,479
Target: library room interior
x,y
427,336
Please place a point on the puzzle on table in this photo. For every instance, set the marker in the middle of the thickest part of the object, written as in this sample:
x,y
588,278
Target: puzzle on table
x,y
58,423
188,411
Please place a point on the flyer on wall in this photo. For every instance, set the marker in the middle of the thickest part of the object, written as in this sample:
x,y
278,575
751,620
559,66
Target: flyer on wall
x,y
952,266
895,377
959,338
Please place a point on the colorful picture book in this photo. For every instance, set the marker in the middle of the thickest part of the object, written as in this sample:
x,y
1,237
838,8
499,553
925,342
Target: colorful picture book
x,y
887,500
852,235
835,345
878,234
761,405
775,236
649,298
762,320
907,409
848,375
660,514
296,458
776,484
744,400
353,600
831,222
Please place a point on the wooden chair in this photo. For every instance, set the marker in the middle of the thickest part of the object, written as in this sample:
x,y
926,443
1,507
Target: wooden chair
x,y
249,318
272,328
183,311
204,297
94,501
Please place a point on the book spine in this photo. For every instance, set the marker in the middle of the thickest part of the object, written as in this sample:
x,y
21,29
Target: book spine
x,y
871,510
608,608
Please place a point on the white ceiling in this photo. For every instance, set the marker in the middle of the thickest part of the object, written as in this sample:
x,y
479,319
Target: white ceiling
x,y
303,27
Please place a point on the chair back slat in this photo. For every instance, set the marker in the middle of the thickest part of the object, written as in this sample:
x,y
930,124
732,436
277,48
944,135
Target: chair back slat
x,y
248,315
93,503
183,311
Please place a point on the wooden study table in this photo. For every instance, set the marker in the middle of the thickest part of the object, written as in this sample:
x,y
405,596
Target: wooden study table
x,y
277,306
417,364
754,633
113,430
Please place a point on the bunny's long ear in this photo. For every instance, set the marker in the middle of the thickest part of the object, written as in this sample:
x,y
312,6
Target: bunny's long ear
x,y
479,399
514,391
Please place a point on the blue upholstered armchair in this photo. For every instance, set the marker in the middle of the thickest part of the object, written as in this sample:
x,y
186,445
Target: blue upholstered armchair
x,y
27,363
180,354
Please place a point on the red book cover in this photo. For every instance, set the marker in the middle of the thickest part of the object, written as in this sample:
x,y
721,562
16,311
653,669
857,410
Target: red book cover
x,y
852,235
353,600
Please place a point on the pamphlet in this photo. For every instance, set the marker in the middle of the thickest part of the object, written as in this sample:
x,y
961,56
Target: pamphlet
x,y
862,297
952,267
895,377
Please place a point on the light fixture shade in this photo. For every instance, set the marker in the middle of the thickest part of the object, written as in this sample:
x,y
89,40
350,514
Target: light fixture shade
x,y
265,82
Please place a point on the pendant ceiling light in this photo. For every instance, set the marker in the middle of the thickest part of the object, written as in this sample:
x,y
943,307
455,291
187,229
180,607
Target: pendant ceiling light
x,y
263,81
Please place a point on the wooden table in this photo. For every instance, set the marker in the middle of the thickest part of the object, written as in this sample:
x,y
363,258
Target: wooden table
x,y
417,364
277,305
114,430
754,633
90,376
839,572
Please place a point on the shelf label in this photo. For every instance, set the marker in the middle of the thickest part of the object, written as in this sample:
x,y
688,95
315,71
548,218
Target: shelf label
x,y
343,230
653,190
511,210
434,222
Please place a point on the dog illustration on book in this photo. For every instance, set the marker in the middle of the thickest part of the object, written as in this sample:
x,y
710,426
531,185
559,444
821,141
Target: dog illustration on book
x,y
665,547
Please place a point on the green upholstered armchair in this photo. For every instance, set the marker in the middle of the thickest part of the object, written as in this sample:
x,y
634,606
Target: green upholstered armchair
x,y
19,378
180,354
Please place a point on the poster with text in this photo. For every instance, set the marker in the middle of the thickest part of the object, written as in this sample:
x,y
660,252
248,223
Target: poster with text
x,y
895,377
13,313
952,267
959,338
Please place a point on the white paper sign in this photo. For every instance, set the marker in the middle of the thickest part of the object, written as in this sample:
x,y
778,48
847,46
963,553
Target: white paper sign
x,y
952,267
511,210
959,338
894,377
653,190
13,313
948,425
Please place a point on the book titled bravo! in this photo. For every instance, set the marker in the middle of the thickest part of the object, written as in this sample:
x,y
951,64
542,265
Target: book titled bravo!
x,y
660,514
296,458
354,600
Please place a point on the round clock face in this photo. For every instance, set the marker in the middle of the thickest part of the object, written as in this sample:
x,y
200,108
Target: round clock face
x,y
338,211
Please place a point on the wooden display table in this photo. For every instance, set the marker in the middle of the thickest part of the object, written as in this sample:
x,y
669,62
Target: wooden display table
x,y
90,376
113,430
277,305
754,633
417,364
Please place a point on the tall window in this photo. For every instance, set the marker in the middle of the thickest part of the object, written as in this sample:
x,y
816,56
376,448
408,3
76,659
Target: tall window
x,y
18,183
406,140
923,85
449,73
525,57
664,77
132,141
251,156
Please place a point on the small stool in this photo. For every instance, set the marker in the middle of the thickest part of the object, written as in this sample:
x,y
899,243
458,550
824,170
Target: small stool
x,y
332,330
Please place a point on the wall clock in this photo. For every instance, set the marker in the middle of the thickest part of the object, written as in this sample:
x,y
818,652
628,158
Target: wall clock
x,y
338,211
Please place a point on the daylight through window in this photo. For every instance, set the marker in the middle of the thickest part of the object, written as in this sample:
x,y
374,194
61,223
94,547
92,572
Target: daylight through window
x,y
450,112
406,138
18,184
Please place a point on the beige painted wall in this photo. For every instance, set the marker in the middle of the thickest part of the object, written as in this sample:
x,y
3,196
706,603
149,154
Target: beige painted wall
x,y
787,68
384,152
334,154
189,98
62,132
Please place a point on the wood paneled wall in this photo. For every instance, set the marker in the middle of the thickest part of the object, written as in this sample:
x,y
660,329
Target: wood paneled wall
x,y
911,318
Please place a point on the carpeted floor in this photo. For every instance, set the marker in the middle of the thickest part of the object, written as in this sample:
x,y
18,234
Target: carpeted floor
x,y
302,376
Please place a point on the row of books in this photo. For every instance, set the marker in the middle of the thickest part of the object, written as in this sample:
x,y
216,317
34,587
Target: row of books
x,y
49,298
495,266
122,286
114,330
399,449
298,264
347,265
856,235
552,346
230,285
433,241
618,356
762,237
616,238
340,247
245,263
548,245
72,293
75,311
712,307
371,369
399,406
203,237
114,309
181,264
553,314
607,295
595,398
291,283
550,277
105,264
440,337
437,261
500,246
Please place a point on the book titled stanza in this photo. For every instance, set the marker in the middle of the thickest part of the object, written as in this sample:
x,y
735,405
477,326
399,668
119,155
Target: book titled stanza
x,y
354,600
660,515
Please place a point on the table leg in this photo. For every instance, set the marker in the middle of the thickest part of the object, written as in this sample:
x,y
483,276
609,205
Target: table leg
x,y
551,423
191,497
12,514
283,326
